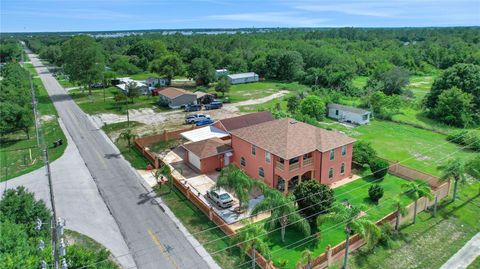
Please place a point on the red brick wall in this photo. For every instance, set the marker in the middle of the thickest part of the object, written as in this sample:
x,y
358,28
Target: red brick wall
x,y
242,148
336,163
211,163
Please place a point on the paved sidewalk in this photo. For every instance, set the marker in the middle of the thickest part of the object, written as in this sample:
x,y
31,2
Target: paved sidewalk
x,y
465,256
77,200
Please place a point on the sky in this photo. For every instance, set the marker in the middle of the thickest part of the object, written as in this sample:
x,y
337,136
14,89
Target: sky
x,y
105,15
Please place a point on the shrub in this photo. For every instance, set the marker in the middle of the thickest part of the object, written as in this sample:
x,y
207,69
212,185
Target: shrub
x,y
375,192
363,152
379,168
470,139
313,197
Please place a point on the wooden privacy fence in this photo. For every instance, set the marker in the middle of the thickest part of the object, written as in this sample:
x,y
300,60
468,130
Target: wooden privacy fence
x,y
331,254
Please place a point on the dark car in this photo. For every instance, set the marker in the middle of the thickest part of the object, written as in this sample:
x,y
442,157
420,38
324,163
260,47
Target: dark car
x,y
193,107
204,122
213,105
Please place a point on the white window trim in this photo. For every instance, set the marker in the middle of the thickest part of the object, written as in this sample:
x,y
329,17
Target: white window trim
x,y
333,172
269,159
330,155
344,147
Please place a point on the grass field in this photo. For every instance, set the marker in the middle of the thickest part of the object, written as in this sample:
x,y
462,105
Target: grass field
x,y
423,149
356,193
16,148
98,103
359,81
431,241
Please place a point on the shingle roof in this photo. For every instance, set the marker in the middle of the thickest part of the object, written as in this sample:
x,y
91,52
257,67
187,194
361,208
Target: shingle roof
x,y
172,93
209,147
348,108
288,138
246,120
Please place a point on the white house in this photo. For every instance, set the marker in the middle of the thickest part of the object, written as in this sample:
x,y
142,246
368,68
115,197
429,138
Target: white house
x,y
154,82
349,114
242,78
123,85
221,72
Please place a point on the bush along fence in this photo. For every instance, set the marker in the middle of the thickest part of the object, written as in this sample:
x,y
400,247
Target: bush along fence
x,y
332,254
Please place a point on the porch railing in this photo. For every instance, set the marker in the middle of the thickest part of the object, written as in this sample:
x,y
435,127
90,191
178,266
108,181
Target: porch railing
x,y
294,166
279,165
307,162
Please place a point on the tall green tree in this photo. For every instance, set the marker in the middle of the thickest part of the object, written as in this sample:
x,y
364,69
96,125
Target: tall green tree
x,y
401,210
453,169
454,107
128,135
283,212
313,197
313,106
250,237
169,66
84,61
348,214
202,71
416,190
223,85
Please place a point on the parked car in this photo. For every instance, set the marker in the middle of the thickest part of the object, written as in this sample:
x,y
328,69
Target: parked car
x,y
189,119
193,107
204,122
220,197
214,105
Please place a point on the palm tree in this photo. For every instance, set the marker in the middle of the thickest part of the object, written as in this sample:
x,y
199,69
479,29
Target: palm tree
x,y
348,214
248,238
416,190
453,169
236,180
401,211
283,211
305,259
128,136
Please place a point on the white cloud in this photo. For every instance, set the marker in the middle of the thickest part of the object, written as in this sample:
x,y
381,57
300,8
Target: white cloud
x,y
282,18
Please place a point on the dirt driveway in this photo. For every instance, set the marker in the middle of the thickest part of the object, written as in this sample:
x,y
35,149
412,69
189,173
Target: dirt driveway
x,y
156,121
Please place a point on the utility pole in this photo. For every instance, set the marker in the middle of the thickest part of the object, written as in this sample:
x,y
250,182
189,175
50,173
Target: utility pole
x,y
54,212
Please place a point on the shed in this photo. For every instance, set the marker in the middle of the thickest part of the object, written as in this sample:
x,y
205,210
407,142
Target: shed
x,y
208,155
123,85
176,97
349,114
242,78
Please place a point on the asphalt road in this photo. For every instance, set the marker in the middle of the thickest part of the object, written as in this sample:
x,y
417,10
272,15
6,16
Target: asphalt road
x,y
150,235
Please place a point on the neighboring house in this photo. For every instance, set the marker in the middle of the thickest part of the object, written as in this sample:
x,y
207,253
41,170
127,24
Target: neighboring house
x,y
157,82
208,155
348,114
221,72
284,152
124,82
176,97
242,78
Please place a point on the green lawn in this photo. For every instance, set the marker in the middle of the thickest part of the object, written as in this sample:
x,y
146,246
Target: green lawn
x,y
143,76
255,90
98,103
431,241
425,150
359,81
197,222
357,193
16,148
475,264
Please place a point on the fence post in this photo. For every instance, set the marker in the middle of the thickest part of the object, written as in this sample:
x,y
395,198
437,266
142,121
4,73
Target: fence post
x,y
329,255
210,214
156,164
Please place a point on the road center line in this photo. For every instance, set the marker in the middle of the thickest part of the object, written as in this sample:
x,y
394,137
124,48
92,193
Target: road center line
x,y
161,247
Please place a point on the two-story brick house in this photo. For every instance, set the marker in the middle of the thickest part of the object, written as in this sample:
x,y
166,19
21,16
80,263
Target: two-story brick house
x,y
284,152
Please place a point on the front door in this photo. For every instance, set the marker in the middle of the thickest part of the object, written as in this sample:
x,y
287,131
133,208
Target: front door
x,y
226,158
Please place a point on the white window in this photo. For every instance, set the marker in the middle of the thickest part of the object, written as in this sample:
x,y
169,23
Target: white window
x,y
330,173
267,156
344,150
332,154
342,169
254,150
261,173
242,161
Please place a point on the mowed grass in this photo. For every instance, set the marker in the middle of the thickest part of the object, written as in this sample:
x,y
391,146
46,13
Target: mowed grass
x,y
431,241
103,102
203,229
20,155
355,192
415,147
256,90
